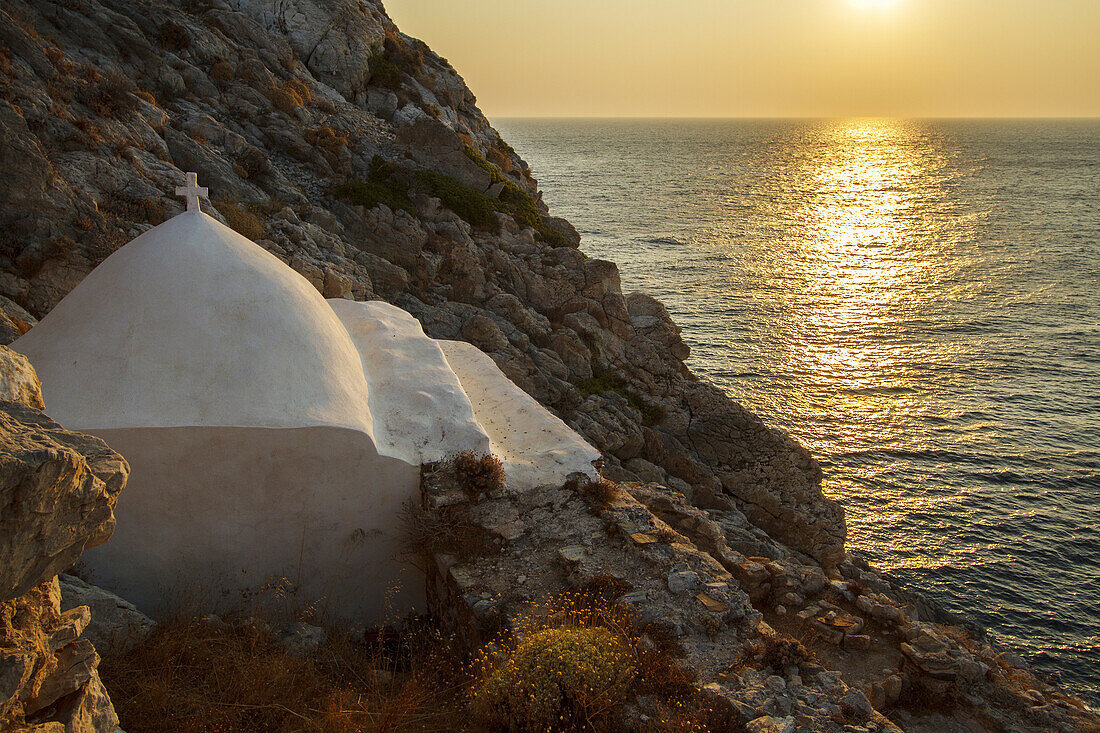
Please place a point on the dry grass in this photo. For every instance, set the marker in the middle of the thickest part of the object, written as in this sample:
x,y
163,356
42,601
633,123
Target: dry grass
x,y
192,676
691,714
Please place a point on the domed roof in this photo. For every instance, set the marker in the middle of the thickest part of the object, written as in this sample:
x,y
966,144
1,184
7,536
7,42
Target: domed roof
x,y
192,324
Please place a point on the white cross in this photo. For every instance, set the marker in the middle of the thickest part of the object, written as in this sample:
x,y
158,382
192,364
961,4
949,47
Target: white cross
x,y
192,192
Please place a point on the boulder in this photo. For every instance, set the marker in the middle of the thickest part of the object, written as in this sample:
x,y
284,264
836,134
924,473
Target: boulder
x,y
116,625
57,495
18,382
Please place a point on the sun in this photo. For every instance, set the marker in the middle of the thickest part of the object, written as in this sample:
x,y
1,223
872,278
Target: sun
x,y
874,4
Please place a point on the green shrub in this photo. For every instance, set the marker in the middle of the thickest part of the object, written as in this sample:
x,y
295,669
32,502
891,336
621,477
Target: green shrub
x,y
516,202
557,679
604,380
478,473
472,206
383,186
384,72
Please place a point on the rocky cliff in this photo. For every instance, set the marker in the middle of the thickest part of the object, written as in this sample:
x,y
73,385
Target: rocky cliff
x,y
359,157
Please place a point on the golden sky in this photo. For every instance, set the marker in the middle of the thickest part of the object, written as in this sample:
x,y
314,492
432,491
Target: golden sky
x,y
768,58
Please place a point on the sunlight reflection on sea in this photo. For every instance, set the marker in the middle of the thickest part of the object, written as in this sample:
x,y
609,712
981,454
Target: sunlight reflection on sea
x,y
917,301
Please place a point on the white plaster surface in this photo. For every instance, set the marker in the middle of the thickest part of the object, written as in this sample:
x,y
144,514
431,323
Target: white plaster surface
x,y
537,448
215,518
192,324
420,410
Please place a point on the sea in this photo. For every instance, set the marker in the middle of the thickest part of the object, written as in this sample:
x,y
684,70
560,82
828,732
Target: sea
x,y
917,301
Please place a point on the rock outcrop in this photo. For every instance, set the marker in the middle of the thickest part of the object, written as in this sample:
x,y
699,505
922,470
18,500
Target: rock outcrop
x,y
57,494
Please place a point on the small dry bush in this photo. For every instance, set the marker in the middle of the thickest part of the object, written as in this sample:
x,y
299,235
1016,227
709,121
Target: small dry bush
x,y
478,474
173,36
289,95
326,138
780,652
191,676
110,95
145,96
426,532
603,492
221,70
240,219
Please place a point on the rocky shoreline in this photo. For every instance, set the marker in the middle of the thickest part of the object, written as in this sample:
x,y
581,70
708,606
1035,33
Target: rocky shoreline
x,y
359,157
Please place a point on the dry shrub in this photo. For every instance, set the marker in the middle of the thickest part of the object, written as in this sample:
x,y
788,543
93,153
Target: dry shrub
x,y
289,95
603,492
83,223
251,164
607,587
110,95
173,36
240,219
92,135
145,96
326,138
221,70
190,676
477,473
780,652
427,532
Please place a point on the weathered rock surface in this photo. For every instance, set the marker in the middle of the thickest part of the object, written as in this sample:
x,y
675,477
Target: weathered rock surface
x,y
115,625
861,661
57,494
18,382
